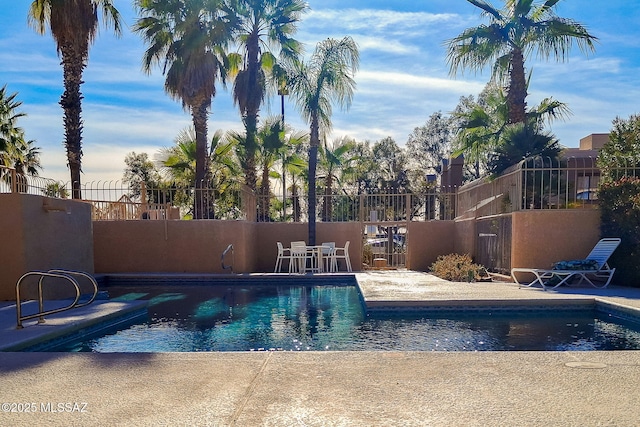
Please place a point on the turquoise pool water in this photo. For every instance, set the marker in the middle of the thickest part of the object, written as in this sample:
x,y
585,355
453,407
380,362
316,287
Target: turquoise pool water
x,y
331,317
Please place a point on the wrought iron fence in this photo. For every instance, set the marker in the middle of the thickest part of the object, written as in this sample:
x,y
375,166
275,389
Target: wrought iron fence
x,y
385,205
535,183
13,182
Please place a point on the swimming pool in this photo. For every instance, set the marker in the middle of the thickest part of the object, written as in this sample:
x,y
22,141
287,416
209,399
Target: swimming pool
x,y
240,317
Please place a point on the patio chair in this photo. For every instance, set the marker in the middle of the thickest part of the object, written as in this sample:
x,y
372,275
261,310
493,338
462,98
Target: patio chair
x,y
341,253
298,262
328,253
283,253
594,267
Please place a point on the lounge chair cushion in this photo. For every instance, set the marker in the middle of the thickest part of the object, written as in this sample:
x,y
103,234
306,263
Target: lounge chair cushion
x,y
577,264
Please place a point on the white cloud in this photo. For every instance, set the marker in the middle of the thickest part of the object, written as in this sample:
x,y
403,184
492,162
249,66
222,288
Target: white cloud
x,y
414,82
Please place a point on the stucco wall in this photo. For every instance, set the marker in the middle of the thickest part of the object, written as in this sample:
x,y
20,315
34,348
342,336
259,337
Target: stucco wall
x,y
172,246
196,246
542,237
41,233
428,240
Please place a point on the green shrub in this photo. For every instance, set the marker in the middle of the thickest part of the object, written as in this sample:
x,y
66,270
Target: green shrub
x,y
620,217
457,268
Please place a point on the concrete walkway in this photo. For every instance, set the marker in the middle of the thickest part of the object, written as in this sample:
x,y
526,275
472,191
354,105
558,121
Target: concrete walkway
x,y
337,388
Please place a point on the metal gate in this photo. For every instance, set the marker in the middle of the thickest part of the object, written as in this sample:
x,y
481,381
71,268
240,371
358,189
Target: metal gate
x,y
384,245
493,245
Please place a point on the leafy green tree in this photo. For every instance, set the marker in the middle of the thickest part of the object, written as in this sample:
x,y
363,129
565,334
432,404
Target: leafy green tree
x,y
621,155
620,217
189,39
74,26
391,172
140,170
619,195
427,146
326,78
363,169
514,32
264,25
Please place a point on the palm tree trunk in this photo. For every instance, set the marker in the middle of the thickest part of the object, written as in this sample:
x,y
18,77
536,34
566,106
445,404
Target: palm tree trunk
x,y
265,192
314,141
251,116
73,63
327,202
517,93
313,161
201,204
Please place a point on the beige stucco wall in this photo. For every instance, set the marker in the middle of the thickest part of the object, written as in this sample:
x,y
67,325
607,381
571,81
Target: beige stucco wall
x,y
542,237
196,246
427,240
41,233
172,246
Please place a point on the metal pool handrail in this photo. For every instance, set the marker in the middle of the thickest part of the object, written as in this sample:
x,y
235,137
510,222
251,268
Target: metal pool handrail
x,y
225,252
61,274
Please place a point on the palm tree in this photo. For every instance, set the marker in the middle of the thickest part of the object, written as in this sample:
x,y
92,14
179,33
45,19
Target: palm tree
x,y
15,151
521,141
189,39
270,136
326,78
336,162
74,26
23,156
178,163
513,33
263,24
482,125
9,129
294,164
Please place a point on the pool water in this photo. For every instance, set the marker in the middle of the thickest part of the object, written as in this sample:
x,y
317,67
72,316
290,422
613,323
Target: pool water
x,y
331,317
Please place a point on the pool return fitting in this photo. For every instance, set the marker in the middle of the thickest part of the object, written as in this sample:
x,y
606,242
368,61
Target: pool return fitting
x,y
68,276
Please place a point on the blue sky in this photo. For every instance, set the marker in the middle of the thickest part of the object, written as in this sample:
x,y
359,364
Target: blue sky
x,y
403,78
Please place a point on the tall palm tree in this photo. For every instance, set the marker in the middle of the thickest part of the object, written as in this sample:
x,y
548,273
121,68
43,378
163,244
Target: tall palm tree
x,y
74,26
264,24
189,39
514,32
328,77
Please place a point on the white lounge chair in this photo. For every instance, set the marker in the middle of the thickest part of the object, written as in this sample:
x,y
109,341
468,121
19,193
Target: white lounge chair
x,y
597,260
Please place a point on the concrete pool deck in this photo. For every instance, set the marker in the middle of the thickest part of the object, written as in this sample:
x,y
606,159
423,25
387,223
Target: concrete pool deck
x,y
338,388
